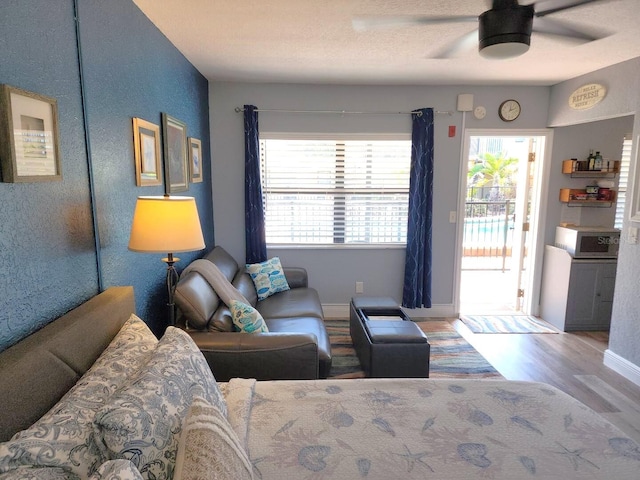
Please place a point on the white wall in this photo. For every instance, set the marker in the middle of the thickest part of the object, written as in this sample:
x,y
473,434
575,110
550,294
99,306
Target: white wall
x,y
332,271
621,81
623,98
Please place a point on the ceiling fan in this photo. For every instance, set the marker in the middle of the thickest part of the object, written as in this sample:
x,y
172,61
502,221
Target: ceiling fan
x,y
504,31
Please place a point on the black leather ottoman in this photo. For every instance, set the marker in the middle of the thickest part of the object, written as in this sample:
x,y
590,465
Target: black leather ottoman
x,y
387,342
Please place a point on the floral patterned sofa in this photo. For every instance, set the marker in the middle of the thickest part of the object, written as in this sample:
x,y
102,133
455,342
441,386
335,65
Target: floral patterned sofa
x,y
151,409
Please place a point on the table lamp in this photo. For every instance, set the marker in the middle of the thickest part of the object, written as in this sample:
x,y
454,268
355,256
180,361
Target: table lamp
x,y
166,225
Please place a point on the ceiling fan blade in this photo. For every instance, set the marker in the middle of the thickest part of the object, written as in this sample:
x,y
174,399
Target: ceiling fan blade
x,y
466,42
361,24
555,27
546,7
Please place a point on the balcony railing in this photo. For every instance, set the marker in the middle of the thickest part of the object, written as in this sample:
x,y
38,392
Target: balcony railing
x,y
488,228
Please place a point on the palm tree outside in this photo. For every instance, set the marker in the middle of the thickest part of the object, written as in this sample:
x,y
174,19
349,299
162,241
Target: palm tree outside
x,y
496,171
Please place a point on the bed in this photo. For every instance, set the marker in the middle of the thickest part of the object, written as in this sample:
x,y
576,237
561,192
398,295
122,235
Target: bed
x,y
321,429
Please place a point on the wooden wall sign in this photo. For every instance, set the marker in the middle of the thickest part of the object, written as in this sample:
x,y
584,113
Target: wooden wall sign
x,y
587,96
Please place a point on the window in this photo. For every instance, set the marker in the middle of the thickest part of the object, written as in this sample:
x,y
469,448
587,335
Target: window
x,y
623,181
335,191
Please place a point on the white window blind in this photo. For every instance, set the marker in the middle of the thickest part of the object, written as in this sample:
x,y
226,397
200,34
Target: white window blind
x,y
623,181
328,191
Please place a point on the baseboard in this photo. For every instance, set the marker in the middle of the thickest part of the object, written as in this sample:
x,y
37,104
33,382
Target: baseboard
x,y
341,311
436,311
624,367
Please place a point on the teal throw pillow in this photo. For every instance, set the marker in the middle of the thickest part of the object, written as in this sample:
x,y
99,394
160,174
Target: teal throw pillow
x,y
247,318
268,277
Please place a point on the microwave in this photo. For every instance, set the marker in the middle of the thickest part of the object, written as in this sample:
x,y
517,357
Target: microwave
x,y
588,242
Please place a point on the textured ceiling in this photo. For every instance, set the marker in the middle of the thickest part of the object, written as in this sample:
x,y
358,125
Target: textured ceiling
x,y
309,41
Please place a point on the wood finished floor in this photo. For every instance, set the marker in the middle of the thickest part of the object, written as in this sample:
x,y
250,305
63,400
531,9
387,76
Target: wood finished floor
x,y
571,362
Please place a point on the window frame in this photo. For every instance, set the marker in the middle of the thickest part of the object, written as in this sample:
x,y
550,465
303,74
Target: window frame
x,y
623,188
338,137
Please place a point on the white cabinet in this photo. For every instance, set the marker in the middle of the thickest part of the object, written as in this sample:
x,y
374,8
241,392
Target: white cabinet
x,y
577,294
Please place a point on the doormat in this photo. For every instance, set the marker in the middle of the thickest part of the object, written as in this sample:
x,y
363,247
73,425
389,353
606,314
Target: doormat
x,y
451,355
506,324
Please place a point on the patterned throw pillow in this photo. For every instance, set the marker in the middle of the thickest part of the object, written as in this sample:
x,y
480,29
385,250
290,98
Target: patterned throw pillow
x,y
38,473
143,419
209,448
247,318
268,277
63,438
117,470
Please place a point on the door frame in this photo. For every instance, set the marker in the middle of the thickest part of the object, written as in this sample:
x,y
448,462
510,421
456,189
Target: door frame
x,y
537,225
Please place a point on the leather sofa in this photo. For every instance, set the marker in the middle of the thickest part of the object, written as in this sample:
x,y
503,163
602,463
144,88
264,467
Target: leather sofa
x,y
297,345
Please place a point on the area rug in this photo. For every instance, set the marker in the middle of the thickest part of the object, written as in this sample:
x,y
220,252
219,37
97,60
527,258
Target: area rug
x,y
506,324
451,355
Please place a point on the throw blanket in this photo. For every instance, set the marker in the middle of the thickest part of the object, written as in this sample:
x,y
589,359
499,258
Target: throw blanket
x,y
218,282
424,429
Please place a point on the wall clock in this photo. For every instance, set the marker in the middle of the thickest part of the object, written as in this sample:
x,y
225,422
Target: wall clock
x,y
509,110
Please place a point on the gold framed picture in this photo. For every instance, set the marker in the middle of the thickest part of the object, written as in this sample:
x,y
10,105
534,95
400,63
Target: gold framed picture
x,y
146,142
195,159
29,144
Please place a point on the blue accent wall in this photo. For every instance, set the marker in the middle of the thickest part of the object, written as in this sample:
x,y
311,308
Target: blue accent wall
x,y
50,261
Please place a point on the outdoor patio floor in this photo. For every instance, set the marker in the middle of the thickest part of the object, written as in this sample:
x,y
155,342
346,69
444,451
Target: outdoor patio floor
x,y
486,291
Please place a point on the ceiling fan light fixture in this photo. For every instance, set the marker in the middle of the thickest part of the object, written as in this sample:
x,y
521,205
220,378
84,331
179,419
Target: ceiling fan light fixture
x,y
505,32
504,50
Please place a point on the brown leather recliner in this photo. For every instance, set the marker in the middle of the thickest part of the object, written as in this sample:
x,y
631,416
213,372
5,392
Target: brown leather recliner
x,y
297,345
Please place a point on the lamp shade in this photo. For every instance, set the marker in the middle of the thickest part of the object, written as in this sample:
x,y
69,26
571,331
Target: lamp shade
x,y
166,225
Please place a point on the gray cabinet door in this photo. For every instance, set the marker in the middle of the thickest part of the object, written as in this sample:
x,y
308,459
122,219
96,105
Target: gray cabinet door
x,y
590,298
581,302
604,291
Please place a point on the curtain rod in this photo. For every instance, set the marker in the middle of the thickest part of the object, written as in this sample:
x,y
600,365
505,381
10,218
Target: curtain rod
x,y
340,112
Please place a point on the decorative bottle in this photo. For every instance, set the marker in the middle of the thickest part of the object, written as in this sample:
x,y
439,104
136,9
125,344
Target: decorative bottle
x,y
597,163
591,159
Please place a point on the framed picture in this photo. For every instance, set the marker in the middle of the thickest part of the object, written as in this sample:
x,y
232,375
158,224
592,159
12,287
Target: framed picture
x,y
146,143
195,159
29,145
176,171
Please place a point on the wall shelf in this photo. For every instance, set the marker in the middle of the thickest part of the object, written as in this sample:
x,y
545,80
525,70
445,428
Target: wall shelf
x,y
570,167
577,197
573,197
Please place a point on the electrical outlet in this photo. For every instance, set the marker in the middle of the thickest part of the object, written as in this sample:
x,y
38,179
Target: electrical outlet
x,y
453,216
359,287
632,237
